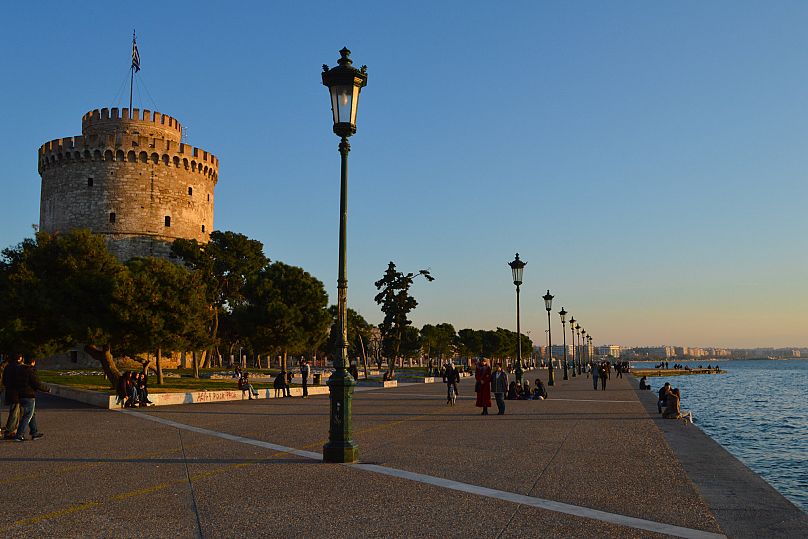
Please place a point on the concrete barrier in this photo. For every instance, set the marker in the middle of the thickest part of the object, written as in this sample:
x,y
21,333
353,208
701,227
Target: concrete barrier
x,y
102,400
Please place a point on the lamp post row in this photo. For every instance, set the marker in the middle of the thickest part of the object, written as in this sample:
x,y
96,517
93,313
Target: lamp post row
x,y
577,333
345,83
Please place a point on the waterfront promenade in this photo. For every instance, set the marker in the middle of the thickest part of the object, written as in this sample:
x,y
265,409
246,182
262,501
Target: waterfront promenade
x,y
582,464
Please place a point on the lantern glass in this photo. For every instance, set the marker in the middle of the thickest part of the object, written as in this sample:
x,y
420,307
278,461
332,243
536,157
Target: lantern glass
x,y
563,314
344,102
548,301
517,266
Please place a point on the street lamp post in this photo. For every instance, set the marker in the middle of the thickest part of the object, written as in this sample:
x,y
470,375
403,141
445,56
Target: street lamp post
x,y
563,314
574,351
578,340
583,342
590,344
517,266
548,304
344,83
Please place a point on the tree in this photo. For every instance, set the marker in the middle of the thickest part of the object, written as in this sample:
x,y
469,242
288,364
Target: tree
x,y
226,263
68,289
438,340
396,304
284,309
469,343
169,308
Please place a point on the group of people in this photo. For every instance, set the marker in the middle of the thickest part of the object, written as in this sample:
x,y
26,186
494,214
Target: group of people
x,y
133,390
282,382
20,384
488,381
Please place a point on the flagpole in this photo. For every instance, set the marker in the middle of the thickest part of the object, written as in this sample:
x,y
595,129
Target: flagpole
x,y
132,73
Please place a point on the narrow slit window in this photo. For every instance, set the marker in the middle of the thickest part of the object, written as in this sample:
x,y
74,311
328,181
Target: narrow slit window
x,y
190,191
112,217
208,197
203,228
90,181
168,220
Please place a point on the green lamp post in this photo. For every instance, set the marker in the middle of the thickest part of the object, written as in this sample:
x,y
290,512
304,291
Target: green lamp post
x,y
583,342
574,352
548,304
563,313
517,267
344,83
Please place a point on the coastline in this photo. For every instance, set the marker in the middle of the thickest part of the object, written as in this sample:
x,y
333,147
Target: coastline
x,y
743,503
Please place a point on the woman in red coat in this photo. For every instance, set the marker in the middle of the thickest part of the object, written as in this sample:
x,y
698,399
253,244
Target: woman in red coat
x,y
483,377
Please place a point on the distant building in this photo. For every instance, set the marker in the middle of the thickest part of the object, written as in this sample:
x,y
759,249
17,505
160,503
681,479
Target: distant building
x,y
613,350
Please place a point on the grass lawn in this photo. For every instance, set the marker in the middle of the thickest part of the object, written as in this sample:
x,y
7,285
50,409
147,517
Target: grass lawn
x,y
87,380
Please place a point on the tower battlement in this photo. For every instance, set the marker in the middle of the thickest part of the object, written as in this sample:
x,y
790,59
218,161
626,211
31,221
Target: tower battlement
x,y
140,122
122,147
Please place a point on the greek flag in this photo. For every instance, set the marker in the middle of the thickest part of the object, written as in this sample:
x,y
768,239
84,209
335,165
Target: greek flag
x,y
135,55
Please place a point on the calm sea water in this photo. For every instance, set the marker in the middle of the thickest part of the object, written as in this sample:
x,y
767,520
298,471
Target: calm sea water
x,y
758,412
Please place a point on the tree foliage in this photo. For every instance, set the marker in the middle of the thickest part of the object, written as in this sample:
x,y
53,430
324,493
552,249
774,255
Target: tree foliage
x,y
68,289
284,309
396,304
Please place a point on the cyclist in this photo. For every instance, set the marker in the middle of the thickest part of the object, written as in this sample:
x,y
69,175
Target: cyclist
x,y
450,377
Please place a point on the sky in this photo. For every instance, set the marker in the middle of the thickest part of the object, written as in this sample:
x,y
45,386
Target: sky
x,y
646,159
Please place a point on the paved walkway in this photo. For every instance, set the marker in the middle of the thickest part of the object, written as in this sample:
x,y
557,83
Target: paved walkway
x,y
581,464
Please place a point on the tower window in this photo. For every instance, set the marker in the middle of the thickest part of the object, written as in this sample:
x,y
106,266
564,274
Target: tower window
x,y
190,191
112,217
168,220
208,197
90,181
203,228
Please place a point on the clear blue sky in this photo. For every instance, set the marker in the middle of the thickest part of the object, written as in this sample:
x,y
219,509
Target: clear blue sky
x,y
647,159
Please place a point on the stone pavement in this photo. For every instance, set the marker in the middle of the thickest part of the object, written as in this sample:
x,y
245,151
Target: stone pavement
x,y
250,468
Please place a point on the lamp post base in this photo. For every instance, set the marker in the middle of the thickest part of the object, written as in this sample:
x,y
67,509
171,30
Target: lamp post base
x,y
550,376
340,448
566,373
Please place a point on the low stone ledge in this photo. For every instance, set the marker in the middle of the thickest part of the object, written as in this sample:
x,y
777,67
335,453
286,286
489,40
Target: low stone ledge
x,y
102,400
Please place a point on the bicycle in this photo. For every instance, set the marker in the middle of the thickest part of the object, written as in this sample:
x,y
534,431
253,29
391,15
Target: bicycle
x,y
452,398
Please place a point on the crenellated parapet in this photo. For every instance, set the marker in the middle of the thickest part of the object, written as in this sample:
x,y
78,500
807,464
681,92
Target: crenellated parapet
x,y
140,122
126,148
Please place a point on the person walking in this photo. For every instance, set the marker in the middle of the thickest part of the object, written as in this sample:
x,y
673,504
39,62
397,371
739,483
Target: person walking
x,y
27,384
483,386
499,385
604,373
304,375
12,398
595,373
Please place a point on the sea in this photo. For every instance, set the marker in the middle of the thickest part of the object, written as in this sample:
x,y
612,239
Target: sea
x,y
758,412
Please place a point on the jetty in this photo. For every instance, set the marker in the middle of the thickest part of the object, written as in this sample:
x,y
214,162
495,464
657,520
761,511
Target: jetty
x,y
675,372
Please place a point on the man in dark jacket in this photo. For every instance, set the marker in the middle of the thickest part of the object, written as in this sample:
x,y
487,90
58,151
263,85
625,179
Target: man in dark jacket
x,y
499,385
11,397
27,384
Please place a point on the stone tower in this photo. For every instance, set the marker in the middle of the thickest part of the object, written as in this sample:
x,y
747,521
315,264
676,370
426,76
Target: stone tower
x,y
131,179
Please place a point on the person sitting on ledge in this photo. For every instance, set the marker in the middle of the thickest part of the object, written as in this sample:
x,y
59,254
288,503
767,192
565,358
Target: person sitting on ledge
x,y
539,391
663,396
644,383
245,385
526,395
278,384
512,395
142,387
672,410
